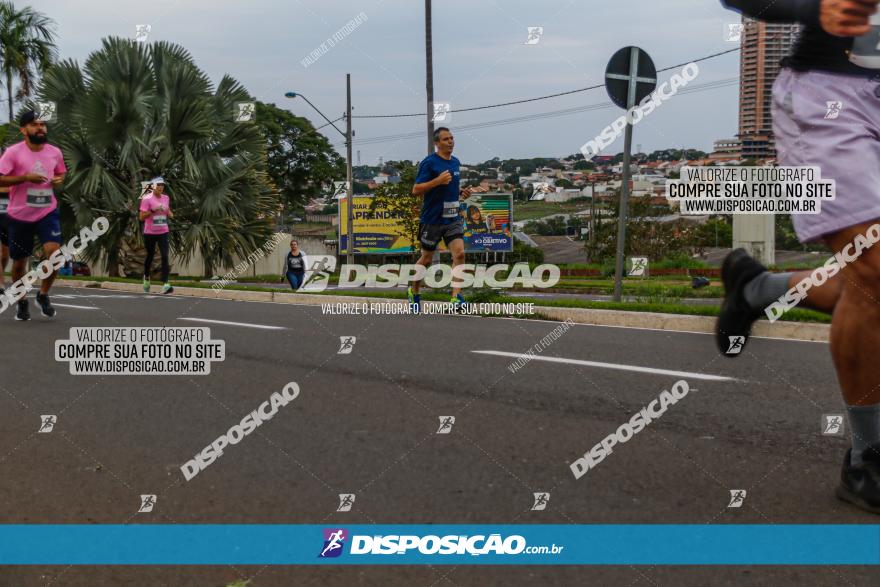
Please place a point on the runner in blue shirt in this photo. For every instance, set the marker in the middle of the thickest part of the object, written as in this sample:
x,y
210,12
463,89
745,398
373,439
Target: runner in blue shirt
x,y
438,180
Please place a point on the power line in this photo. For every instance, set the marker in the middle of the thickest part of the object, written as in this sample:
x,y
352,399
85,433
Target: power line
x,y
712,56
331,122
543,115
548,96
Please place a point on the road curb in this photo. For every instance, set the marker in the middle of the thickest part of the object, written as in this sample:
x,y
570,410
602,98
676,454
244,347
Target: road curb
x,y
683,323
596,317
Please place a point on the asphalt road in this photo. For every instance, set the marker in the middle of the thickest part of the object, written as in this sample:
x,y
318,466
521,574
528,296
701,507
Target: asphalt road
x,y
366,423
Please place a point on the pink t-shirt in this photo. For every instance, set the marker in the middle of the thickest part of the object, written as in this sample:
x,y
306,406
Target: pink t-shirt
x,y
157,223
30,202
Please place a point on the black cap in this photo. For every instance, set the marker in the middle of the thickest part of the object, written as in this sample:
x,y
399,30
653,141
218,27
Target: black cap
x,y
26,117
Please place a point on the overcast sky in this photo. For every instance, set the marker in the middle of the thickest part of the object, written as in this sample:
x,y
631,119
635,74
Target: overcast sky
x,y
480,57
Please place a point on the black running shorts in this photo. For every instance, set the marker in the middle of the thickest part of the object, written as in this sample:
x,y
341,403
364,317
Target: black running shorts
x,y
430,234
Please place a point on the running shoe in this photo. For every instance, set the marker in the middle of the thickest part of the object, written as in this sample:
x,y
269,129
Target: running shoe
x,y
167,289
146,286
46,308
860,485
415,300
734,325
23,312
458,302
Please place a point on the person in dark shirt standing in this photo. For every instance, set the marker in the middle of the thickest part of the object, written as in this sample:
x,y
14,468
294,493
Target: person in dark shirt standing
x,y
295,266
439,180
826,113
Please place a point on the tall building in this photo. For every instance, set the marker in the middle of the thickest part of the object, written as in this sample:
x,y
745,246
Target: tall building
x,y
763,45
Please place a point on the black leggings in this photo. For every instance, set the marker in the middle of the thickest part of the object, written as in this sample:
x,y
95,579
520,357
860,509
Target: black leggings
x,y
150,241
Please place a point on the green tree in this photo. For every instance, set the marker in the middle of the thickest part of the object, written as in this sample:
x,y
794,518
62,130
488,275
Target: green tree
x,y
136,110
718,229
656,240
399,199
300,160
787,239
27,48
363,172
554,226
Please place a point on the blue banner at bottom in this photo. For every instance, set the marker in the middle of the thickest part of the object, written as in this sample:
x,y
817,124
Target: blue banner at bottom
x,y
468,544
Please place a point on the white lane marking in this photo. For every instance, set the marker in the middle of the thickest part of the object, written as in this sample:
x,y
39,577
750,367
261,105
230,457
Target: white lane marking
x,y
651,329
260,326
76,307
616,366
111,297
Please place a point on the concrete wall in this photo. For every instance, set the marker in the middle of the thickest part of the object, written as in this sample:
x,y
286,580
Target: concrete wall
x,y
270,264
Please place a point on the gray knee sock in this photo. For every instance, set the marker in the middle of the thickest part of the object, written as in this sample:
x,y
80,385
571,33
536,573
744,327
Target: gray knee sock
x,y
765,289
864,427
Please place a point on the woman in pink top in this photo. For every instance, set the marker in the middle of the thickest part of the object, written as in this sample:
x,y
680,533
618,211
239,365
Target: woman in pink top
x,y
155,211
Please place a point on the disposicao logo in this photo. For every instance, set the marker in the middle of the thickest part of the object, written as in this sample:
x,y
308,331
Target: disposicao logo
x,y
334,541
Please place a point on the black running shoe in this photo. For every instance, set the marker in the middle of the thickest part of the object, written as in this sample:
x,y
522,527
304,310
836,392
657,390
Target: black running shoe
x,y
23,312
45,305
735,320
860,485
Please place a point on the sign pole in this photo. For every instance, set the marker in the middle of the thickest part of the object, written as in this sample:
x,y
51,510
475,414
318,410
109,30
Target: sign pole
x,y
636,56
626,175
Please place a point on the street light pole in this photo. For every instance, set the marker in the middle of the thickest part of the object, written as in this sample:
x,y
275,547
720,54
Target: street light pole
x,y
350,196
348,134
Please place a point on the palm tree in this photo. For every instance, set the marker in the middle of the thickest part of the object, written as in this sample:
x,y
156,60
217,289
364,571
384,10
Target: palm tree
x,y
27,48
138,110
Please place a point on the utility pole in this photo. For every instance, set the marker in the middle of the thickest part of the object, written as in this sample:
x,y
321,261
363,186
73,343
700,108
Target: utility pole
x,y
429,86
348,135
429,75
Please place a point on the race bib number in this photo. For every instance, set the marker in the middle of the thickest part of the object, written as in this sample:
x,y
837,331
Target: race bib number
x,y
4,205
450,209
160,220
39,198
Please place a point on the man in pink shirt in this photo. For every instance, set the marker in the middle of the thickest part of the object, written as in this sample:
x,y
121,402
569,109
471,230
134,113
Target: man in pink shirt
x,y
155,211
33,168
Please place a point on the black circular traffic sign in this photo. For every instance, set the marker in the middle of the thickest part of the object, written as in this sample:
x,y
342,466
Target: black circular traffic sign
x,y
617,76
